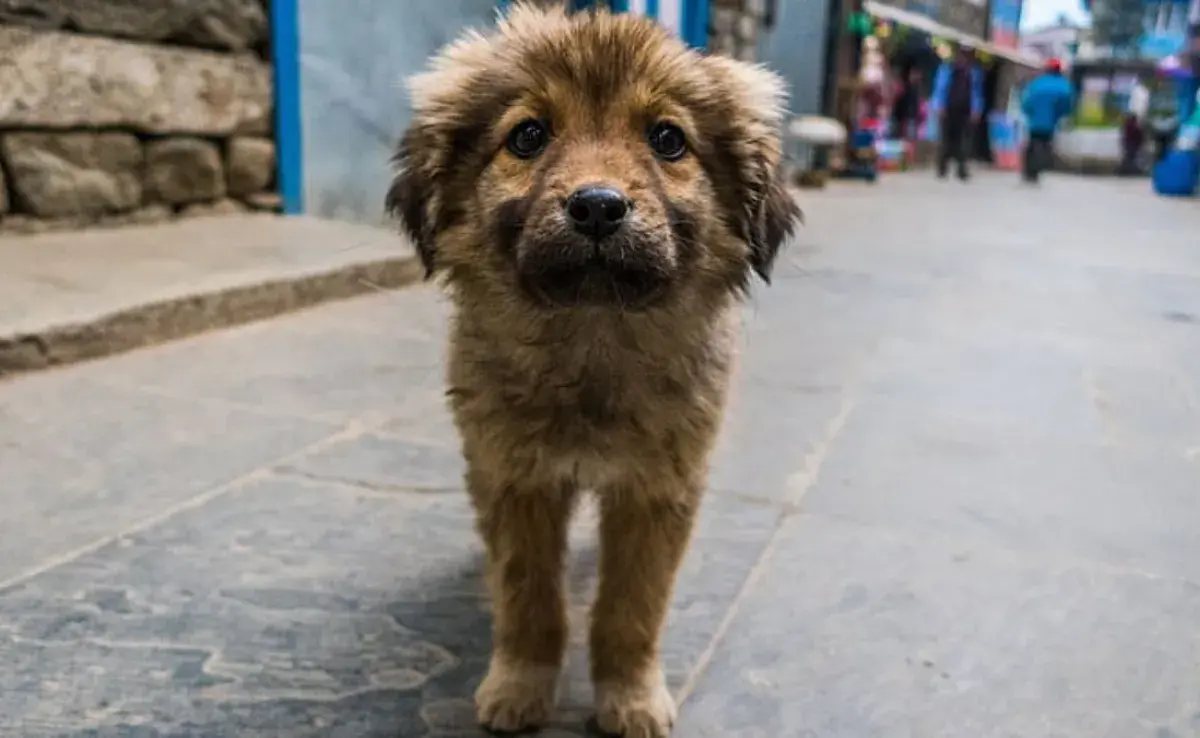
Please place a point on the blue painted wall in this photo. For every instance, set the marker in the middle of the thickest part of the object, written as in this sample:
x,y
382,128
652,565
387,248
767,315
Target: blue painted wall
x,y
340,100
353,58
795,48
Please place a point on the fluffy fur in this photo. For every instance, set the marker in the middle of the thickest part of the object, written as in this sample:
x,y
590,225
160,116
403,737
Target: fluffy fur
x,y
616,383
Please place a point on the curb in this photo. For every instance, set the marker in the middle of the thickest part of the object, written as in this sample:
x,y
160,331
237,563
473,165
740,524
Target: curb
x,y
176,318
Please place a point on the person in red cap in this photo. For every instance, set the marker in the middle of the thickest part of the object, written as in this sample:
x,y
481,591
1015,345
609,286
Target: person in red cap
x,y
1046,101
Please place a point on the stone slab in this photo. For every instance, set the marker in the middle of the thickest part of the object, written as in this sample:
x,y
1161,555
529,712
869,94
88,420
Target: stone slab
x,y
861,630
222,24
74,174
351,613
251,166
184,170
84,461
65,80
377,355
71,296
1009,486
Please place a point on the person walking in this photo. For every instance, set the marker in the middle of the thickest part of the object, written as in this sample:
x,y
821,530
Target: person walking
x,y
1045,102
1163,117
906,108
958,102
1133,130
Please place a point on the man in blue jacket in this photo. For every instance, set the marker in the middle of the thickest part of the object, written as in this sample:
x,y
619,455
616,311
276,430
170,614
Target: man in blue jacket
x,y
1046,101
958,102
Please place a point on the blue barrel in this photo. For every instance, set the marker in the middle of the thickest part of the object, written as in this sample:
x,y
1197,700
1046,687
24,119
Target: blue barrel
x,y
1178,175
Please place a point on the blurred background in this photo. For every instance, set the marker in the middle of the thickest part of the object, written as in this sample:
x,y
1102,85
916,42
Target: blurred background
x,y
133,110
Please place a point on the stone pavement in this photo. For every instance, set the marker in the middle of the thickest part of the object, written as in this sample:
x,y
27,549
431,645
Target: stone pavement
x,y
958,496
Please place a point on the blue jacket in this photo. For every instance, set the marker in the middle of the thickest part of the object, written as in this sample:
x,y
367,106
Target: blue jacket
x,y
941,88
1186,90
1045,101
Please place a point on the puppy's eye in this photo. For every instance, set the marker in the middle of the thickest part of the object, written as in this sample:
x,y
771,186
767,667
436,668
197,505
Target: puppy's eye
x,y
527,139
668,141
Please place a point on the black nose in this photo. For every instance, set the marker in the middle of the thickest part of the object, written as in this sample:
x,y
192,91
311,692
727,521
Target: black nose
x,y
597,211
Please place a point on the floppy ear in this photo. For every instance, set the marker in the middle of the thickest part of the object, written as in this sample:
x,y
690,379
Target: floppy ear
x,y
748,109
454,101
775,220
410,195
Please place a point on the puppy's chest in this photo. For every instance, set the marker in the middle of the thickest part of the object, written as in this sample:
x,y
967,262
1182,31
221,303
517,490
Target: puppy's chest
x,y
597,397
573,400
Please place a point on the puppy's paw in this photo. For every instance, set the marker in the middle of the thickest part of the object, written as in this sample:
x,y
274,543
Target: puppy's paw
x,y
515,699
641,710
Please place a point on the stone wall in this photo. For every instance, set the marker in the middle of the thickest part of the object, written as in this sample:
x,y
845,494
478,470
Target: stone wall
x,y
734,27
120,111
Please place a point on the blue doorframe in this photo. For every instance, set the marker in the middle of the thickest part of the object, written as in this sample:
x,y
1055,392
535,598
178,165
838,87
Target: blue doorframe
x,y
695,23
289,135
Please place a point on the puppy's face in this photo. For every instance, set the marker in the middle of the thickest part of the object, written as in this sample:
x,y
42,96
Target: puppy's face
x,y
592,160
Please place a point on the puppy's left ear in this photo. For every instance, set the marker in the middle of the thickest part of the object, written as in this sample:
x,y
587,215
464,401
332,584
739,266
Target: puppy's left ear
x,y
408,199
774,222
749,104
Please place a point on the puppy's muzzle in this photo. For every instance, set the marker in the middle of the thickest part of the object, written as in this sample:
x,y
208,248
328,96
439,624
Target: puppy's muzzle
x,y
605,261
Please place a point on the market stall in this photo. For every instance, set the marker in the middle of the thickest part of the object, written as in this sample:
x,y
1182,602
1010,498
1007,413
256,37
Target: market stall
x,y
898,51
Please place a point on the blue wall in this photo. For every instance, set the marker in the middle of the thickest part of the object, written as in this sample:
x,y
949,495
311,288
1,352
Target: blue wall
x,y
340,100
796,49
353,58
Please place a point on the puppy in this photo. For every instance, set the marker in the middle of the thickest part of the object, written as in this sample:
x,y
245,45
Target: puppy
x,y
596,198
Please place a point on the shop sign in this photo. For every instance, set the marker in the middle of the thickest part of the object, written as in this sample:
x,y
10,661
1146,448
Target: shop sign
x,y
965,16
1005,23
1161,45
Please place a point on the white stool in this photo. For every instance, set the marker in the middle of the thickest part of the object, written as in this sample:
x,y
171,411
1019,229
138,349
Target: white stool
x,y
808,133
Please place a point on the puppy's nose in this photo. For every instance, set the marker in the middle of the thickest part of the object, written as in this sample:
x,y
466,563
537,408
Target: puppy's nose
x,y
597,211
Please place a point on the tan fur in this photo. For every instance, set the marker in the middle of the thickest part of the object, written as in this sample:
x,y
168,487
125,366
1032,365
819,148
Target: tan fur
x,y
620,398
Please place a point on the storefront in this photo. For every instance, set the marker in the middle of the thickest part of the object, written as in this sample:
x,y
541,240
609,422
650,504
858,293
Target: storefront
x,y
904,42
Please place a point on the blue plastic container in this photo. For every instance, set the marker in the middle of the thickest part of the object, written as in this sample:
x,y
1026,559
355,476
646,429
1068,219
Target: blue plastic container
x,y
1178,175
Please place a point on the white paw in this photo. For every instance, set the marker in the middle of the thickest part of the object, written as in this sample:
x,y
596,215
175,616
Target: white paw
x,y
513,699
641,710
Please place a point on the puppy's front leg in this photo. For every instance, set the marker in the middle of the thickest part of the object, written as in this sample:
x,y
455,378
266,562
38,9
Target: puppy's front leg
x,y
643,536
524,527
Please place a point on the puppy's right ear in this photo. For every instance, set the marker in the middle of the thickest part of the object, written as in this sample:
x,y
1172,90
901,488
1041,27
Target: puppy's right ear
x,y
410,195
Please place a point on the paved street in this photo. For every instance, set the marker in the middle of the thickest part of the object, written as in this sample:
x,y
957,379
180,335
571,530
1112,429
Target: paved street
x,y
958,496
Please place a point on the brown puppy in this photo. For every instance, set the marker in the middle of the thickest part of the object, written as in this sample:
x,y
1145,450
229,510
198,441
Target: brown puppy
x,y
595,196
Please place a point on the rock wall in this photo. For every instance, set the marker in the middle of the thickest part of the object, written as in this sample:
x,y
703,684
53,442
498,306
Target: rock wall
x,y
734,27
120,111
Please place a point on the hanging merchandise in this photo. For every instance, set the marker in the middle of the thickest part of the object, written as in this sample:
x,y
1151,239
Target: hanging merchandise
x,y
872,77
874,63
859,24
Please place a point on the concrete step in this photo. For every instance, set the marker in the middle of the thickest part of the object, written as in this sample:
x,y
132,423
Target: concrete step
x,y
65,297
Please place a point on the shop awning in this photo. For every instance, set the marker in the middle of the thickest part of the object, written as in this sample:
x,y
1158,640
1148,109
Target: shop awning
x,y
924,23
